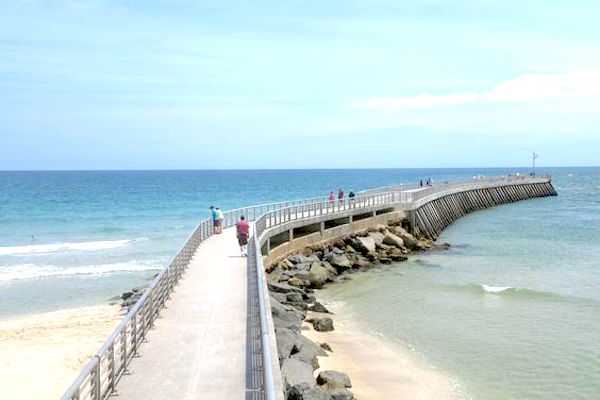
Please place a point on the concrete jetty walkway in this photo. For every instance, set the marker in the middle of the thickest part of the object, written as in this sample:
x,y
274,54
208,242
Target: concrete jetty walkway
x,y
197,349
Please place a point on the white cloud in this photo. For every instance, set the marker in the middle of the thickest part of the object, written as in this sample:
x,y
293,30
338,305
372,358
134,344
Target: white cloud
x,y
529,87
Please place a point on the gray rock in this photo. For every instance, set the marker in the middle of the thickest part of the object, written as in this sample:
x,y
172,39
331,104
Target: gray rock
x,y
334,379
285,316
318,307
282,287
408,239
337,250
393,240
332,271
326,346
422,245
341,394
365,244
294,297
296,282
296,372
286,264
305,392
287,340
339,261
377,237
308,353
359,261
318,275
322,324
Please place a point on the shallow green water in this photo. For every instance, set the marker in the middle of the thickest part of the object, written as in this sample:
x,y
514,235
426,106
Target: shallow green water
x,y
512,310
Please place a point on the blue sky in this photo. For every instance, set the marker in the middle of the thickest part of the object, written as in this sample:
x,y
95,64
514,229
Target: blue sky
x,y
99,84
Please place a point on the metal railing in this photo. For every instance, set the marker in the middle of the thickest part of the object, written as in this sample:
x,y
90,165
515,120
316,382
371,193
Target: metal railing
x,y
99,378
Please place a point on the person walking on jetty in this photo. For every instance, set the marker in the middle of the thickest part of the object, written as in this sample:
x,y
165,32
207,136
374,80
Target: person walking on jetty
x,y
331,199
243,231
341,196
215,219
351,197
220,218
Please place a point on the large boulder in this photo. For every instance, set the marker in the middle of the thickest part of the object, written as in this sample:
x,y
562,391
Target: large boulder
x,y
306,392
285,316
409,240
392,240
365,244
287,340
286,264
339,261
309,351
303,342
282,287
318,275
359,261
297,372
334,379
341,394
318,307
294,297
296,282
322,324
377,237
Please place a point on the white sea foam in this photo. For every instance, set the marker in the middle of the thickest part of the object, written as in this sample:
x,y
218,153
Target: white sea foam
x,y
55,247
32,271
495,289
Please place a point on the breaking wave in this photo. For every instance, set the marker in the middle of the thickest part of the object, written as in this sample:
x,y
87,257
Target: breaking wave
x,y
32,271
496,289
56,247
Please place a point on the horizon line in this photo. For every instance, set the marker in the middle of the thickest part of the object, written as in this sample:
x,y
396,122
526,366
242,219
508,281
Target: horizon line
x,y
288,169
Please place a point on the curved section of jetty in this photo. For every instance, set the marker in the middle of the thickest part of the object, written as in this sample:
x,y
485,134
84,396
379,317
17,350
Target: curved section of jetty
x,y
205,327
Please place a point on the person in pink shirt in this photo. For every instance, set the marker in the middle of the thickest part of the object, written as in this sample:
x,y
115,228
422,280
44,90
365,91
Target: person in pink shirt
x,y
243,231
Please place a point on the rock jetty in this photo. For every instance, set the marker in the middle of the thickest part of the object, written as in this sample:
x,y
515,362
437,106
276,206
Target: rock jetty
x,y
292,282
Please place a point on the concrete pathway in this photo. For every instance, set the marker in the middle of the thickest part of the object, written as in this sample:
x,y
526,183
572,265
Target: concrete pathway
x,y
197,349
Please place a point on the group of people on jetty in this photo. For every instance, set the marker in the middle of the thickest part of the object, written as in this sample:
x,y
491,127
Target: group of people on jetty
x,y
340,196
242,228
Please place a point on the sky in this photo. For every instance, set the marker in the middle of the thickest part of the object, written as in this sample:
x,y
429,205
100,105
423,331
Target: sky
x,y
99,84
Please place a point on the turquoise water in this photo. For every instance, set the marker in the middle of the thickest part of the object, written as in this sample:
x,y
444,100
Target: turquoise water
x,y
512,310
532,332
99,233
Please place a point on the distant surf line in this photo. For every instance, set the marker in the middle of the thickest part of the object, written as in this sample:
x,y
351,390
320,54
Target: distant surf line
x,y
68,246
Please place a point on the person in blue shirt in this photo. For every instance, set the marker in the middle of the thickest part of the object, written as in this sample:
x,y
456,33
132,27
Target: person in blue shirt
x,y
215,219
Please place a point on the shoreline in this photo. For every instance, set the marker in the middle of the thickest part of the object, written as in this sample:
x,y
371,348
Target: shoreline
x,y
378,368
41,354
309,335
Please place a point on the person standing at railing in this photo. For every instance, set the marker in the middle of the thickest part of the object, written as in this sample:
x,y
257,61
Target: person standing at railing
x,y
215,219
351,198
341,196
331,199
243,231
220,218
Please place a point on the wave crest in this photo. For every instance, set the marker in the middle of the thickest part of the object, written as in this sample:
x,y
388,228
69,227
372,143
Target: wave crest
x,y
32,271
496,289
56,247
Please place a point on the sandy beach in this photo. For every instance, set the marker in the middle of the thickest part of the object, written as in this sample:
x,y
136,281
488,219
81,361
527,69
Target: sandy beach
x,y
40,355
377,369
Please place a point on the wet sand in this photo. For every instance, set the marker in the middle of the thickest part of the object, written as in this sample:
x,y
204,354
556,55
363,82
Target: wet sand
x,y
40,355
378,369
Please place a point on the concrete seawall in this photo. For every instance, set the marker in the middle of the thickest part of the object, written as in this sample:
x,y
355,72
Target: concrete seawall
x,y
432,217
429,210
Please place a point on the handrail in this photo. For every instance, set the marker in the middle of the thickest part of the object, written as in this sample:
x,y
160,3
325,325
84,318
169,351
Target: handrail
x,y
268,380
98,379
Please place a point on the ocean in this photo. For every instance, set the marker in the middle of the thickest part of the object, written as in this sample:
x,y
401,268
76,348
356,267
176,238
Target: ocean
x,y
511,311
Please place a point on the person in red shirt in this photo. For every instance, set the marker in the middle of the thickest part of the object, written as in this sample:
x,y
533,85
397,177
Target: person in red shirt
x,y
243,231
